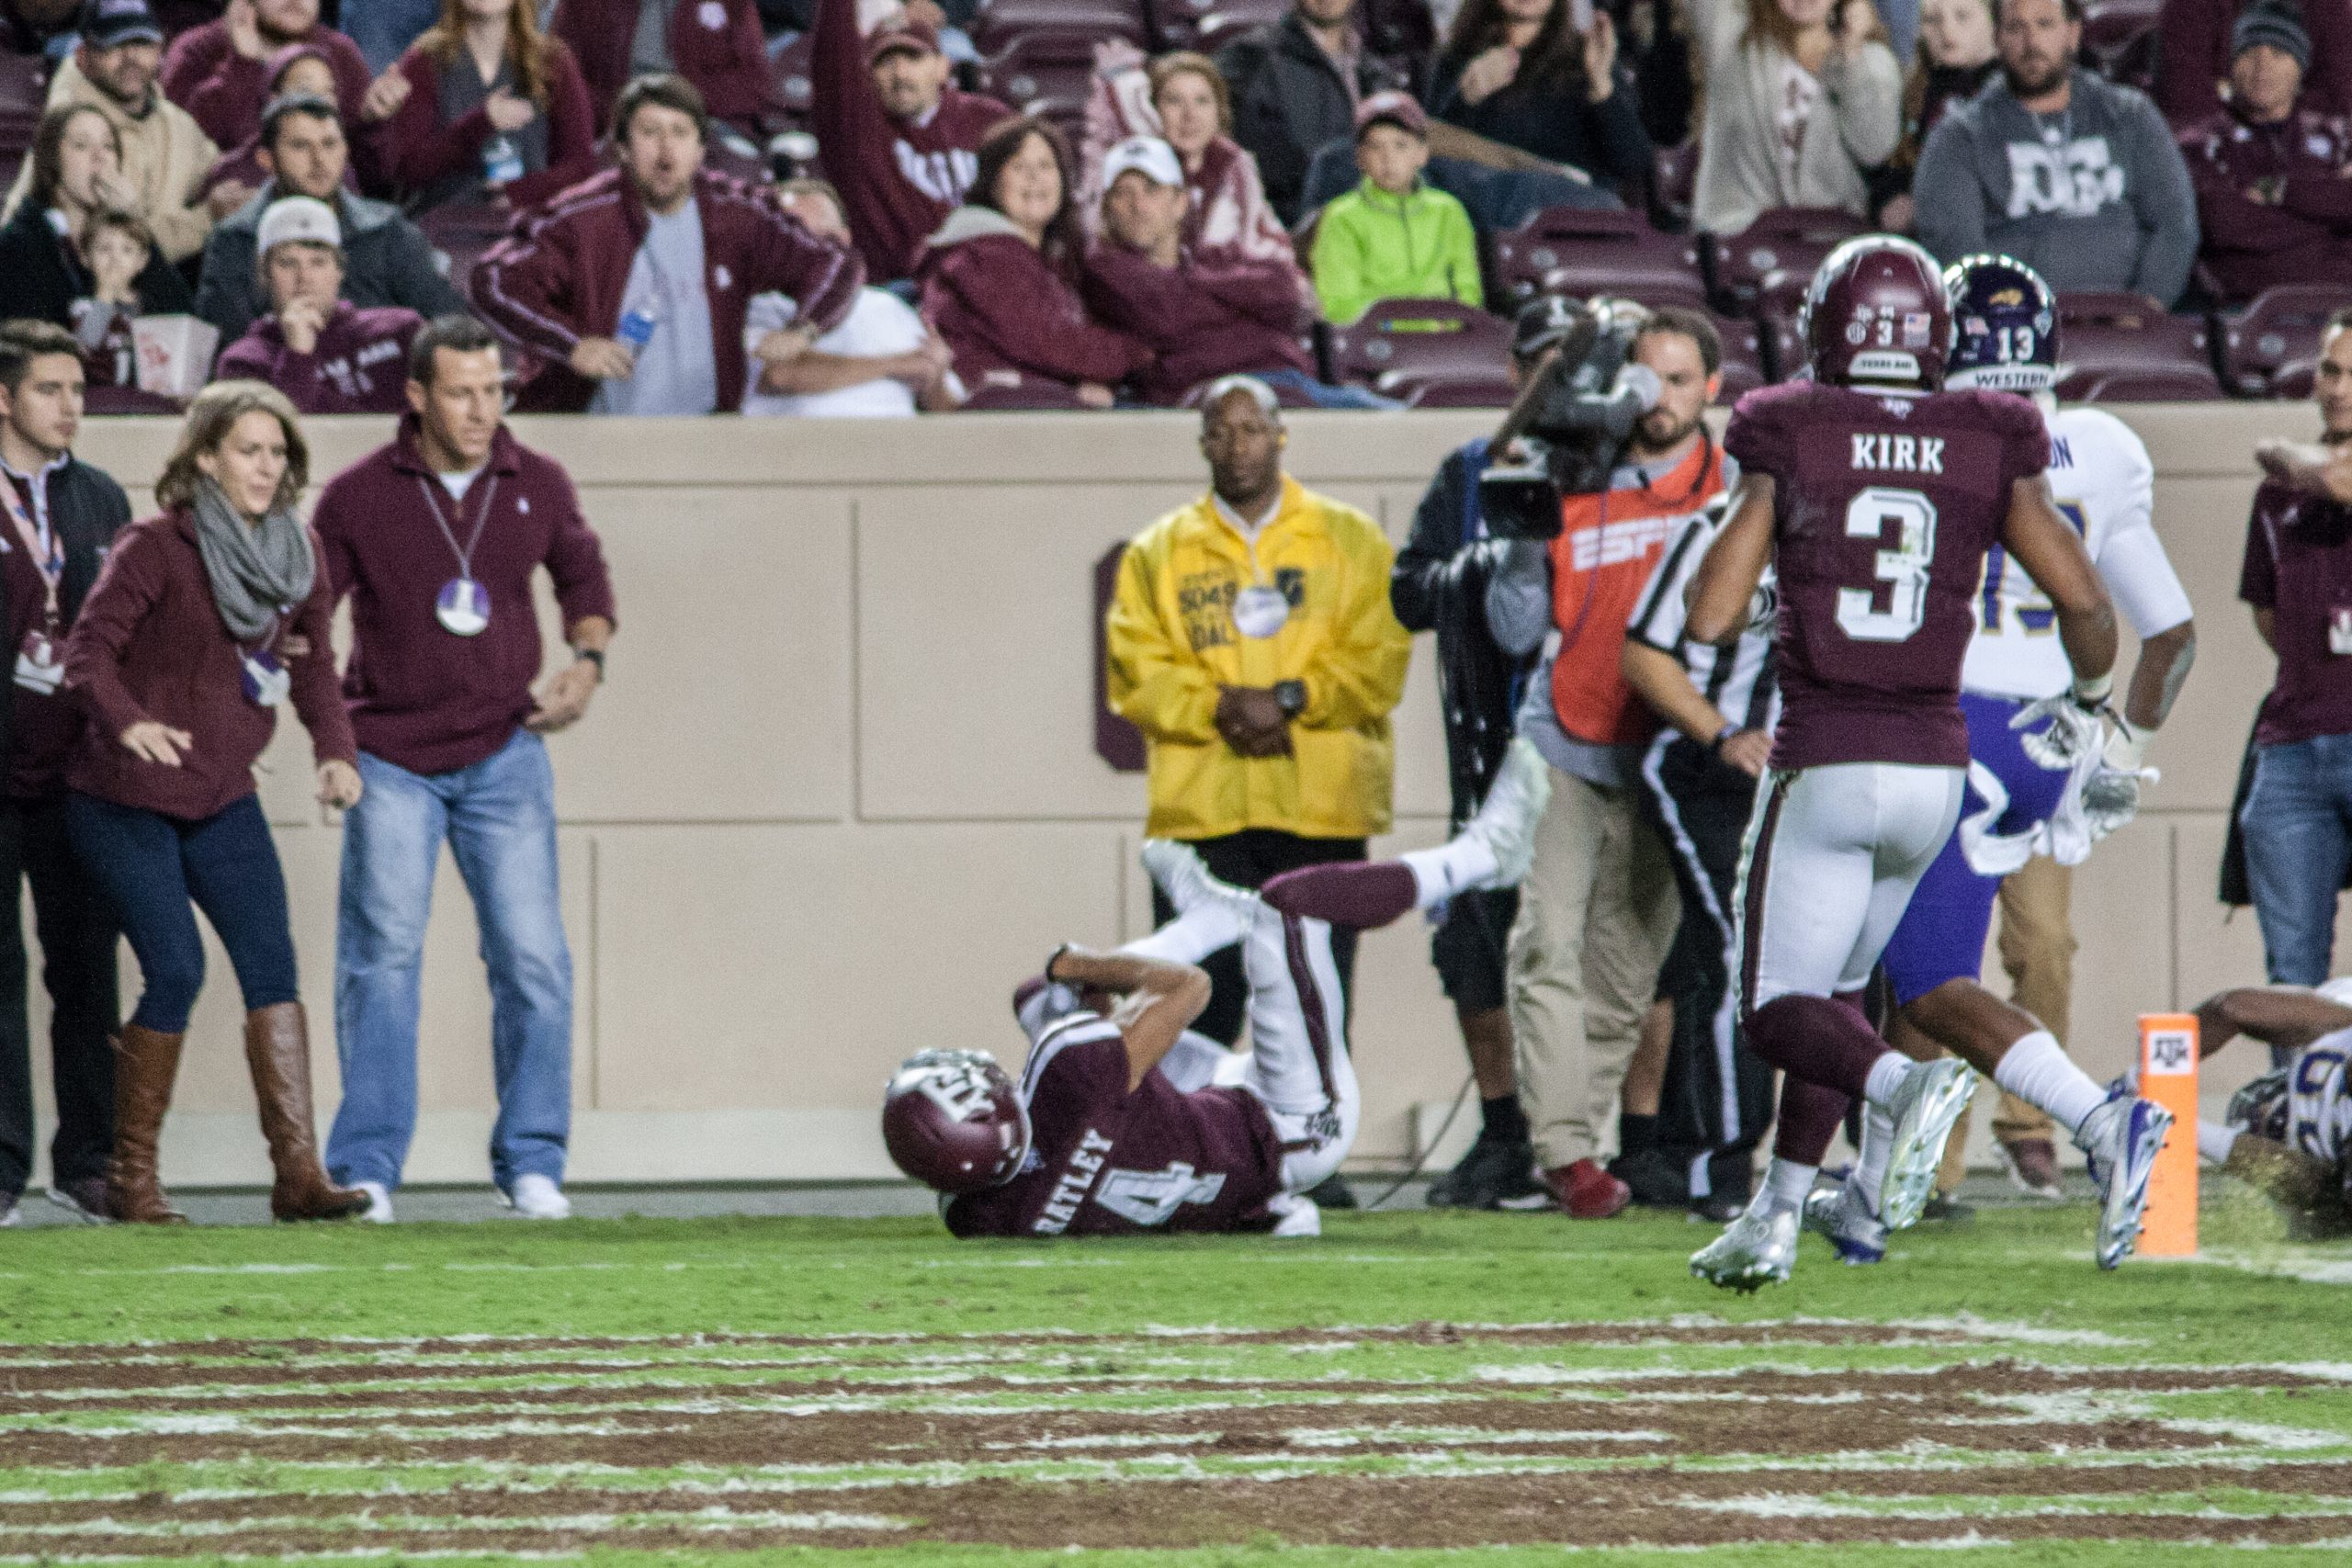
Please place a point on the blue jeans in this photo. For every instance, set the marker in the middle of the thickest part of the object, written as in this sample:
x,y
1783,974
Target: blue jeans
x,y
152,866
2298,822
498,817
382,28
1324,394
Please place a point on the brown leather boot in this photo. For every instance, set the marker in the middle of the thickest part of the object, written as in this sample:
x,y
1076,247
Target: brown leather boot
x,y
277,1049
145,1064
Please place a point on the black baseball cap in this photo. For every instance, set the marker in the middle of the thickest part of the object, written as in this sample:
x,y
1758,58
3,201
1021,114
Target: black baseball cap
x,y
109,24
1541,323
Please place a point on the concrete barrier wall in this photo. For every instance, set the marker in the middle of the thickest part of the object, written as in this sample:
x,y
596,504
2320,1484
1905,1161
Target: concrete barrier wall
x,y
840,791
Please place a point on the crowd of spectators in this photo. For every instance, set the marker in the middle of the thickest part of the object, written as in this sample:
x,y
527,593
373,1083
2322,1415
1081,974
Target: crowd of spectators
x,y
596,178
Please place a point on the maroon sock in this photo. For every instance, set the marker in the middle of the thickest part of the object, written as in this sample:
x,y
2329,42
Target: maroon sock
x,y
1359,893
1810,1117
1816,1038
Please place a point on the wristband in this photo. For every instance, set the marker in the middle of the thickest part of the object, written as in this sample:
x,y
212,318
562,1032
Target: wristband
x,y
1051,959
595,656
2127,745
2092,690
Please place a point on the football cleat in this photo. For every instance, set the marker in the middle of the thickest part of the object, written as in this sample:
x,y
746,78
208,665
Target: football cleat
x,y
1505,821
1756,1249
2121,1139
1925,1106
1839,1214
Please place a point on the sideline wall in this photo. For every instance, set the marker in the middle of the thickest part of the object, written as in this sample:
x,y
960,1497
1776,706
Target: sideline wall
x,y
840,794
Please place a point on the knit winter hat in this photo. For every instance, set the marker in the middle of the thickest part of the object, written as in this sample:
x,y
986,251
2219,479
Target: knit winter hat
x,y
2280,24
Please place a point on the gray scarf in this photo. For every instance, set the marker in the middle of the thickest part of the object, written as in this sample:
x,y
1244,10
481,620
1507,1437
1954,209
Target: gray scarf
x,y
255,571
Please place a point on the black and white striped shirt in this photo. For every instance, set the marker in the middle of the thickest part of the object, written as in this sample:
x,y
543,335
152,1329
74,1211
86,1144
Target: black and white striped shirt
x,y
1738,679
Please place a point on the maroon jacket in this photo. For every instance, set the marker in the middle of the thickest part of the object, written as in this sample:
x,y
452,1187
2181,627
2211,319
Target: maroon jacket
x,y
1202,318
1008,313
898,180
563,277
2195,60
204,74
149,643
421,696
2303,237
414,148
716,44
358,366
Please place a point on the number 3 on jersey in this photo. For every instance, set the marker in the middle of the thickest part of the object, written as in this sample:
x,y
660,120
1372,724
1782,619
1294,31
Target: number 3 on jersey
x,y
1900,571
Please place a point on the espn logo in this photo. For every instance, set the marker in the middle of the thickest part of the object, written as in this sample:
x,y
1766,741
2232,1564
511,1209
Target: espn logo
x,y
1613,543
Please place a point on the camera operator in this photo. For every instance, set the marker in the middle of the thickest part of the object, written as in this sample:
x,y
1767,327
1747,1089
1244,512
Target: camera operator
x,y
1597,911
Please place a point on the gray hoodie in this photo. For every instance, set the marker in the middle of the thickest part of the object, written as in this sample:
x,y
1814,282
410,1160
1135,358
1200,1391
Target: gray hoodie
x,y
2093,196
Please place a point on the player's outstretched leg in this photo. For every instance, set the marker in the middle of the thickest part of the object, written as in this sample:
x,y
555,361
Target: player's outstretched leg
x,y
1210,914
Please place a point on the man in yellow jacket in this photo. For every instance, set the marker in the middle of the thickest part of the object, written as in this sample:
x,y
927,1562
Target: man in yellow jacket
x,y
1252,643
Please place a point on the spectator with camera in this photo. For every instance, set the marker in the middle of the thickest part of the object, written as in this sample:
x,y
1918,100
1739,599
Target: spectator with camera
x,y
1596,913
219,71
76,168
2273,199
62,516
2073,175
325,354
1517,72
716,44
1396,235
1804,97
637,283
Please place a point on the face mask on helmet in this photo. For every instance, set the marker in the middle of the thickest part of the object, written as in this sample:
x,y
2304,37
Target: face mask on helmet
x,y
2260,1107
953,1121
2005,326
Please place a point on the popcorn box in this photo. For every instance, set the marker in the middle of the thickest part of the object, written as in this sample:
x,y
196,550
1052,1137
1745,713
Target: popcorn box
x,y
174,354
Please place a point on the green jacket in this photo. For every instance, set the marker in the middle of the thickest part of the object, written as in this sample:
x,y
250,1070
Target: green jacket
x,y
1372,245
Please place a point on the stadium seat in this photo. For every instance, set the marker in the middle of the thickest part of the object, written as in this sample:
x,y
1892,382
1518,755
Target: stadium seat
x,y
1674,180
1208,24
2138,384
2117,33
2280,327
1747,358
2102,335
791,89
1431,353
460,234
2295,379
1044,74
1582,251
24,87
1000,22
1787,239
1028,392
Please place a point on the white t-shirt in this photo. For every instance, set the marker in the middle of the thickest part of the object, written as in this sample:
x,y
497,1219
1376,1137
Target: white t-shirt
x,y
879,324
674,374
2104,484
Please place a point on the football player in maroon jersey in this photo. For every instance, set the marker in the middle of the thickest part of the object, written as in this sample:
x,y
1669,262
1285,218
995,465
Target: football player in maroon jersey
x,y
1115,1124
1875,496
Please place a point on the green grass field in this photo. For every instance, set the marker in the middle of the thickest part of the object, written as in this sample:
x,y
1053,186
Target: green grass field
x,y
1463,1389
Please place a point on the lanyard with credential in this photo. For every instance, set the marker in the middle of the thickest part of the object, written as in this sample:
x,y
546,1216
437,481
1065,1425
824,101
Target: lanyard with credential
x,y
41,540
463,607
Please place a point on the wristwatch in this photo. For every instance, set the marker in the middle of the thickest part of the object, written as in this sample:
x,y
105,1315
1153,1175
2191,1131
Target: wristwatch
x,y
595,656
1291,697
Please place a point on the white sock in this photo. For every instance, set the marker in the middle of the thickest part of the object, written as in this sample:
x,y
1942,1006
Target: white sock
x,y
1878,1148
1786,1182
2038,1071
1453,868
1886,1076
1192,936
2214,1140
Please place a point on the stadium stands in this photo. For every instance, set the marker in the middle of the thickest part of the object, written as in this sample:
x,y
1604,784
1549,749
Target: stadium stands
x,y
2281,330
1428,353
2128,348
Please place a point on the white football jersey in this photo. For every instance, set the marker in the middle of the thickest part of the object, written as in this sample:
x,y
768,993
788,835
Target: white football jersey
x,y
2319,1100
2104,484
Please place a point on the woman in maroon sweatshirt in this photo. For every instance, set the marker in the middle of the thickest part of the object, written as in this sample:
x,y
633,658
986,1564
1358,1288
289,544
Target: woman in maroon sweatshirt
x,y
204,620
1000,282
487,107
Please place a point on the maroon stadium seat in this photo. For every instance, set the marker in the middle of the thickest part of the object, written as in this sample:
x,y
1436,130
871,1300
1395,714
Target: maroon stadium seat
x,y
1031,392
24,87
1429,351
1787,239
1584,251
2114,29
1747,358
1000,22
791,89
2139,384
1209,24
2295,379
2282,326
1045,73
2100,333
1674,181
462,232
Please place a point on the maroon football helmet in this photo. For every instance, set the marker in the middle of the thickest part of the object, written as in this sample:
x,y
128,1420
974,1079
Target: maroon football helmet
x,y
1877,313
954,1122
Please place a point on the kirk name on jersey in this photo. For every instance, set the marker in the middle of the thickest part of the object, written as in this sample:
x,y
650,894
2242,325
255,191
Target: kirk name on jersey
x,y
1899,453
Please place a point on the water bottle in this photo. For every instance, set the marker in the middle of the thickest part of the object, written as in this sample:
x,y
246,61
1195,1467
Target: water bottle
x,y
502,161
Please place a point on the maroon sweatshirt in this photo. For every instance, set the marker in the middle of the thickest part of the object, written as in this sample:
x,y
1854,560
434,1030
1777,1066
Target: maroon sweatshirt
x,y
1009,314
562,279
423,697
358,366
2195,60
149,643
2306,234
416,149
1202,318
716,44
225,92
899,179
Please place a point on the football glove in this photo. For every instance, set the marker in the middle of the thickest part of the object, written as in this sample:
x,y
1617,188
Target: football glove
x,y
2075,729
2111,798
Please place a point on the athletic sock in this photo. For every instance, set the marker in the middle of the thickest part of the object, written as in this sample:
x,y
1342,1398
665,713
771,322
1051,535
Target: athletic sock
x,y
1878,1149
1503,1120
1886,1075
2214,1140
1636,1133
1211,924
1786,1183
1453,868
2038,1071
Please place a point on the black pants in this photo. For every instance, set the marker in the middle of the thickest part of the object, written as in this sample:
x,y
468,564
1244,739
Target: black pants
x,y
1248,859
1717,1098
77,941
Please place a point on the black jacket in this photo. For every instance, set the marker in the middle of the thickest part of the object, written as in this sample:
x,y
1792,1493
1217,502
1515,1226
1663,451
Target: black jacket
x,y
1289,100
88,509
1440,584
41,277
387,261
1557,121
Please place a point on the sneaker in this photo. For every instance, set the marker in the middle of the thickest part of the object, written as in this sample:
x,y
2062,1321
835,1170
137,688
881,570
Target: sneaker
x,y
1839,1214
1925,1105
9,1216
1756,1249
1332,1192
2032,1165
1585,1192
378,1210
1506,819
2121,1139
85,1198
1497,1173
537,1197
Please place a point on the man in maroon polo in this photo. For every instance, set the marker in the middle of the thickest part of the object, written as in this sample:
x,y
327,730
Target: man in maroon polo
x,y
435,538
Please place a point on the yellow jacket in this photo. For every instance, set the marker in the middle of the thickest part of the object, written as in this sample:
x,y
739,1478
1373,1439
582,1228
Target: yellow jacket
x,y
1173,641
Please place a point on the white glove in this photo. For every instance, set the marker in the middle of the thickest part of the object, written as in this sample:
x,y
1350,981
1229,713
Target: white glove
x,y
2074,730
2111,798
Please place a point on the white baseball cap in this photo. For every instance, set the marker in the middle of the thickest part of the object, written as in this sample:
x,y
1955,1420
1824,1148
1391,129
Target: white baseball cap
x,y
1147,156
297,220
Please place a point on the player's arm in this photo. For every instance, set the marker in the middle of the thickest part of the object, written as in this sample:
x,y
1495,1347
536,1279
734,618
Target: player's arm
x,y
2310,467
2052,554
2293,1016
1724,588
1156,1000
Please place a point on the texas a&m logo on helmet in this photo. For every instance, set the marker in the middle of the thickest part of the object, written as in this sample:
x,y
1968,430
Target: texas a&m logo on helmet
x,y
954,1122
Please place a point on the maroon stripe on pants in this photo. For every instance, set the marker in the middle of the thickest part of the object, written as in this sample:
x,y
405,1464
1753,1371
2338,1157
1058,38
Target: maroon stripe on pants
x,y
1364,894
1310,1002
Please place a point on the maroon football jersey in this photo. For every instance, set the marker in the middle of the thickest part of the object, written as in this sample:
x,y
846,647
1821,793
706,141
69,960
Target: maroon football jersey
x,y
1104,1160
1885,507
